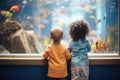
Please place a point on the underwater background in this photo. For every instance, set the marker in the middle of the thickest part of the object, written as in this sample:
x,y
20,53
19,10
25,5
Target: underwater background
x,y
39,16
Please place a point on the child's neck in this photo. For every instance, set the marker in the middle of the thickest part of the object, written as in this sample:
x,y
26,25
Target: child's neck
x,y
56,42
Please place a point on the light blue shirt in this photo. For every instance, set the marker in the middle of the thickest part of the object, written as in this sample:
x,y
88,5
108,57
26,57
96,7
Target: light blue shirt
x,y
79,51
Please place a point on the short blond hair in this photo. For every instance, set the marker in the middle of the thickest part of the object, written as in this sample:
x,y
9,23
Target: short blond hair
x,y
56,34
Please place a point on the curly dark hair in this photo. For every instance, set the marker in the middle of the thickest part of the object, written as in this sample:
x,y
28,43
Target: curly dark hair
x,y
79,30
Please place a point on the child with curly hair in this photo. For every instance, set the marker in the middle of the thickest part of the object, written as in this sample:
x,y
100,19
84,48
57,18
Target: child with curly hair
x,y
79,47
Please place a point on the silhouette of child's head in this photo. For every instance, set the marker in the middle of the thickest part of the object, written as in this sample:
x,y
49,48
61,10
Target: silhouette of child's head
x,y
56,34
79,30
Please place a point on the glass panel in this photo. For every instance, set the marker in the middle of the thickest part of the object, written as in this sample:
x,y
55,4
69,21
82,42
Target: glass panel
x,y
25,24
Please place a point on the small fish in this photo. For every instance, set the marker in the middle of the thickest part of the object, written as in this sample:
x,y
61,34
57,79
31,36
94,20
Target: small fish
x,y
88,10
41,25
92,17
29,17
104,17
109,40
63,11
63,24
6,14
15,8
47,11
24,2
93,32
98,21
47,42
100,45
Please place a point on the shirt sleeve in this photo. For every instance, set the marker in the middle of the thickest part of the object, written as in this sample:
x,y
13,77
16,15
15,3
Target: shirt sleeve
x,y
68,55
46,53
89,47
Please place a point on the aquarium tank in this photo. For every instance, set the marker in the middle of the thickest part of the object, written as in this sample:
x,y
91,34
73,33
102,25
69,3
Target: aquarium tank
x,y
25,24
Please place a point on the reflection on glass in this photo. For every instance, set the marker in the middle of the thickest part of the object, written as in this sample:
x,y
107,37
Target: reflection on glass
x,y
25,24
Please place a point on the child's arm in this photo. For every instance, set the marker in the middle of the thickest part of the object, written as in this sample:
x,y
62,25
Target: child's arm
x,y
89,47
68,55
46,53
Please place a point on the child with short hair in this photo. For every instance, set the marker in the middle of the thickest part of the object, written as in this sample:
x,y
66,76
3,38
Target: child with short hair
x,y
57,54
79,47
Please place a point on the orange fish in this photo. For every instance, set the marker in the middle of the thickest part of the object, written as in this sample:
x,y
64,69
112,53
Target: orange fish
x,y
15,8
41,26
47,11
99,46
